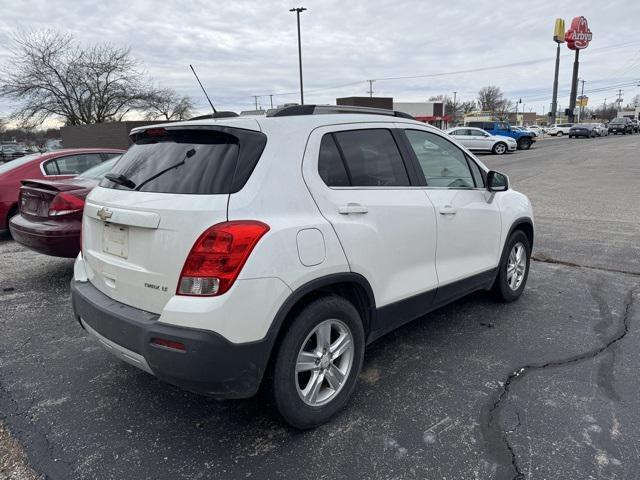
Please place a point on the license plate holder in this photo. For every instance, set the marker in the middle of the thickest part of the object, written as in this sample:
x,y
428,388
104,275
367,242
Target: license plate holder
x,y
115,240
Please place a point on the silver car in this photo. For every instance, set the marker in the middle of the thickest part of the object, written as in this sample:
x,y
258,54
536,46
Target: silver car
x,y
479,140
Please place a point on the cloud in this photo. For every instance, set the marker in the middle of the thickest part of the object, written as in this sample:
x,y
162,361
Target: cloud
x,y
245,48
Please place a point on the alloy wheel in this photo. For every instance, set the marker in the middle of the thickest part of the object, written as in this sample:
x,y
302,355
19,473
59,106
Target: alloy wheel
x,y
516,266
324,362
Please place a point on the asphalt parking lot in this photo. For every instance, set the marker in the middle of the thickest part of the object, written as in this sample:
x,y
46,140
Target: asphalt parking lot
x,y
544,388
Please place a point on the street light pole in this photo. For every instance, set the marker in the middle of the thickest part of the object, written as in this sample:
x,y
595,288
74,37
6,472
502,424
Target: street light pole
x,y
298,10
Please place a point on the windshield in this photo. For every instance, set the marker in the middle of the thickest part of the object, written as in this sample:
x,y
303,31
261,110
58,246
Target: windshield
x,y
17,163
617,120
99,171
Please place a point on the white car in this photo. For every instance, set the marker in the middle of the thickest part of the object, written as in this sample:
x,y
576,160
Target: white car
x,y
537,129
479,140
221,252
601,129
560,129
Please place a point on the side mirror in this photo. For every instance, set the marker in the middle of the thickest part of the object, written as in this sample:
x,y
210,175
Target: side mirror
x,y
497,182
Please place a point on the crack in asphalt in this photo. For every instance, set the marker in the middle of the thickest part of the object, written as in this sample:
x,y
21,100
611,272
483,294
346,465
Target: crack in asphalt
x,y
497,438
541,257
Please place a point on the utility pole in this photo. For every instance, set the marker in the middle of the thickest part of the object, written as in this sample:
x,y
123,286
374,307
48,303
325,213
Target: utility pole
x,y
255,98
558,37
370,92
619,100
580,112
271,100
298,10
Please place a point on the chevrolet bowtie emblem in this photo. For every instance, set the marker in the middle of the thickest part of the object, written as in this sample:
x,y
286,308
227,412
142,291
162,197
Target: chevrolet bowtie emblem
x,y
104,213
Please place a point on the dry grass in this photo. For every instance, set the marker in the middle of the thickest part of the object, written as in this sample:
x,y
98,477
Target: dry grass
x,y
13,464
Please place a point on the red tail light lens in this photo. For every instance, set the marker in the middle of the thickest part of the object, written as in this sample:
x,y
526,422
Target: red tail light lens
x,y
64,204
217,257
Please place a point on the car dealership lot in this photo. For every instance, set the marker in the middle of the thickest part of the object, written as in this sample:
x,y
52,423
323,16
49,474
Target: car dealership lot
x,y
435,400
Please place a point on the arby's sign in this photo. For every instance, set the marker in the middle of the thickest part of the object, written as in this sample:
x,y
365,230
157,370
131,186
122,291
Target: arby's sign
x,y
578,36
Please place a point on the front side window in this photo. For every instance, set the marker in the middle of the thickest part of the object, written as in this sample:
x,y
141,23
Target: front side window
x,y
371,158
443,164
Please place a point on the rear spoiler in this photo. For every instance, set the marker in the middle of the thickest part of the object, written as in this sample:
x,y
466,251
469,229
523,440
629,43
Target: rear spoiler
x,y
51,185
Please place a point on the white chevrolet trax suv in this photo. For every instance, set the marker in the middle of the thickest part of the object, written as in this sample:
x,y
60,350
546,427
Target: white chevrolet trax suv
x,y
222,253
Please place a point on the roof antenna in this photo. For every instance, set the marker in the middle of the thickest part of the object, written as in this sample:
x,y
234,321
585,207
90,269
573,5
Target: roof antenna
x,y
203,90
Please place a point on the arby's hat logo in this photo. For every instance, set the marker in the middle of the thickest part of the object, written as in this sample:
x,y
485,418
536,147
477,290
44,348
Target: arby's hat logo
x,y
578,36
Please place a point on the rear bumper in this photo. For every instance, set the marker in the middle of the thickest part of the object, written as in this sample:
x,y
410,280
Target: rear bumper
x,y
60,239
211,365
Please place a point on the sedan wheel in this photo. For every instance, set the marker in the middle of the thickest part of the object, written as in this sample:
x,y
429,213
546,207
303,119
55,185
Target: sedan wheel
x,y
499,148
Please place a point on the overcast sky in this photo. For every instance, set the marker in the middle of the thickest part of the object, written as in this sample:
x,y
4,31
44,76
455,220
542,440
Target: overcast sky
x,y
245,48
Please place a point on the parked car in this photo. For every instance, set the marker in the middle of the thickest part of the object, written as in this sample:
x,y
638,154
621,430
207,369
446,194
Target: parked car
x,y
53,166
523,139
217,248
621,125
560,129
537,129
50,216
10,152
586,130
636,127
478,140
601,129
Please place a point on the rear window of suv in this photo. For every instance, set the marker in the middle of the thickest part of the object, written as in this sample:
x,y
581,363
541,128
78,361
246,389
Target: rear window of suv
x,y
204,161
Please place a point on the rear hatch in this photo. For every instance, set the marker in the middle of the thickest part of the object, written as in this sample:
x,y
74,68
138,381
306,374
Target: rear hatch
x,y
169,187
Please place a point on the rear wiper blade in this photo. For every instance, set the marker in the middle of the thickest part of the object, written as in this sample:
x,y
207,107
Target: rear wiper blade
x,y
120,180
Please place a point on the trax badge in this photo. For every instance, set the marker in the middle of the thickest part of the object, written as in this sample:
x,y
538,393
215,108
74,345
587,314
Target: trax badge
x,y
104,213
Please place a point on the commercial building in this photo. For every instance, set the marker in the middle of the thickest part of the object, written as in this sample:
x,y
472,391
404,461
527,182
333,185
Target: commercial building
x,y
630,112
100,135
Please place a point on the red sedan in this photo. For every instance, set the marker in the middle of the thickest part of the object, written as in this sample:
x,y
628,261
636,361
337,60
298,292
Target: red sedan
x,y
56,165
50,219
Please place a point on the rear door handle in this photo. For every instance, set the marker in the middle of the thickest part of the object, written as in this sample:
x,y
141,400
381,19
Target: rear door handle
x,y
352,208
447,210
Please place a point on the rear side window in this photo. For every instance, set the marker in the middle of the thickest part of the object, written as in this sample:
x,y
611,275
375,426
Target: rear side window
x,y
371,158
330,164
74,164
203,161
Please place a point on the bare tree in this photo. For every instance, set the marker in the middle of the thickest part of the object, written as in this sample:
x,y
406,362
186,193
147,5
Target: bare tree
x,y
636,101
166,104
491,99
51,75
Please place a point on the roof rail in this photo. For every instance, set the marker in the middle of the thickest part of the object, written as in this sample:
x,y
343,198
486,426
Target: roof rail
x,y
328,109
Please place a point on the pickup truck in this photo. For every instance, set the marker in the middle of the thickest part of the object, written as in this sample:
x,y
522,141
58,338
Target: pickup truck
x,y
523,139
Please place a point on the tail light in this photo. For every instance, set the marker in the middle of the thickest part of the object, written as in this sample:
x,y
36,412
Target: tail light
x,y
64,204
217,257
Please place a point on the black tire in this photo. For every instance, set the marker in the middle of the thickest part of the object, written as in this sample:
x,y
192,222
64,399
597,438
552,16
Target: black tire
x,y
13,211
524,144
499,148
501,288
289,402
570,136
